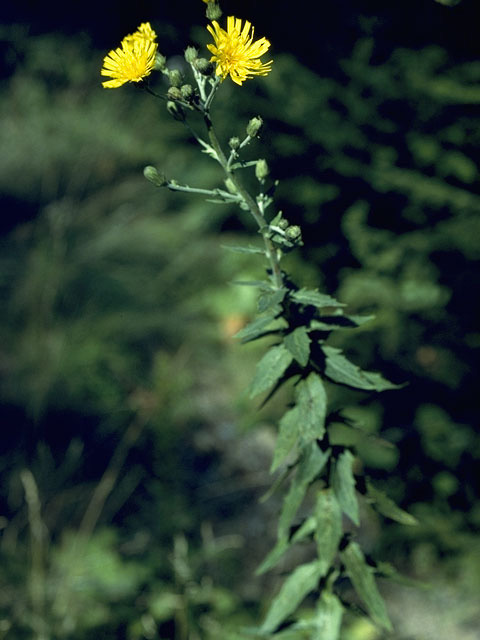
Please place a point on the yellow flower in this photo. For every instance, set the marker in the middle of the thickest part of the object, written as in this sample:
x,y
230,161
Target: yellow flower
x,y
144,32
133,60
235,53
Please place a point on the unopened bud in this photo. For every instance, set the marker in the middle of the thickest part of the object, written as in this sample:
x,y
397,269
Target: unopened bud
x,y
204,66
254,126
261,170
174,93
152,175
175,110
213,11
187,91
175,77
234,143
283,224
160,62
191,54
294,232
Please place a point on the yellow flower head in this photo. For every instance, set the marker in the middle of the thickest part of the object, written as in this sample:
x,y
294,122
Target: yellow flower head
x,y
133,60
144,32
236,53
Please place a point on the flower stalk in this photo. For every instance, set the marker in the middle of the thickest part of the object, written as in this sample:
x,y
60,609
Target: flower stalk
x,y
301,320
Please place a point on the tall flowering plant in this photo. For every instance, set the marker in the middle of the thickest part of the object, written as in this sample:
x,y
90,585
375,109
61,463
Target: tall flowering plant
x,y
316,467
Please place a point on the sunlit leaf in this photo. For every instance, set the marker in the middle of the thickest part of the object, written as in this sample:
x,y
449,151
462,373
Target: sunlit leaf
x,y
311,464
328,522
270,369
288,432
298,343
298,585
361,575
315,299
343,484
339,369
312,403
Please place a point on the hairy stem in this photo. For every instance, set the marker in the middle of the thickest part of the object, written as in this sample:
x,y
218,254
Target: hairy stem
x,y
253,207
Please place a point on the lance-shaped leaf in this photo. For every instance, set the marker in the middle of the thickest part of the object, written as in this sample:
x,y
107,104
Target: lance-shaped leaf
x,y
272,558
274,555
343,484
270,369
328,618
298,585
288,432
361,575
339,369
240,249
311,464
315,299
255,328
312,403
387,507
298,343
269,299
328,533
339,321
324,625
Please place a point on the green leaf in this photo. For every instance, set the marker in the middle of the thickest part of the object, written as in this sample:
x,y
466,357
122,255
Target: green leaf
x,y
298,584
261,284
343,484
328,618
312,403
307,528
311,463
270,369
361,575
324,625
270,299
298,343
387,507
249,249
328,518
255,328
331,323
273,556
288,431
315,298
342,371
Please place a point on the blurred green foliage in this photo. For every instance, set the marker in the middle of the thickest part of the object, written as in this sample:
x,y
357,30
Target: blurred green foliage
x,y
120,381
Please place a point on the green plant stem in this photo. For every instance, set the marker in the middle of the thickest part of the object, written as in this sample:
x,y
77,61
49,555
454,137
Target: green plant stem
x,y
250,202
213,193
37,549
110,476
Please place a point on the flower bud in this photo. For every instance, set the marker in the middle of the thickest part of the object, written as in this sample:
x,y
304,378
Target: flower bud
x,y
283,224
254,126
234,143
205,67
261,170
174,93
152,175
160,62
294,232
213,11
175,77
175,110
191,54
187,92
